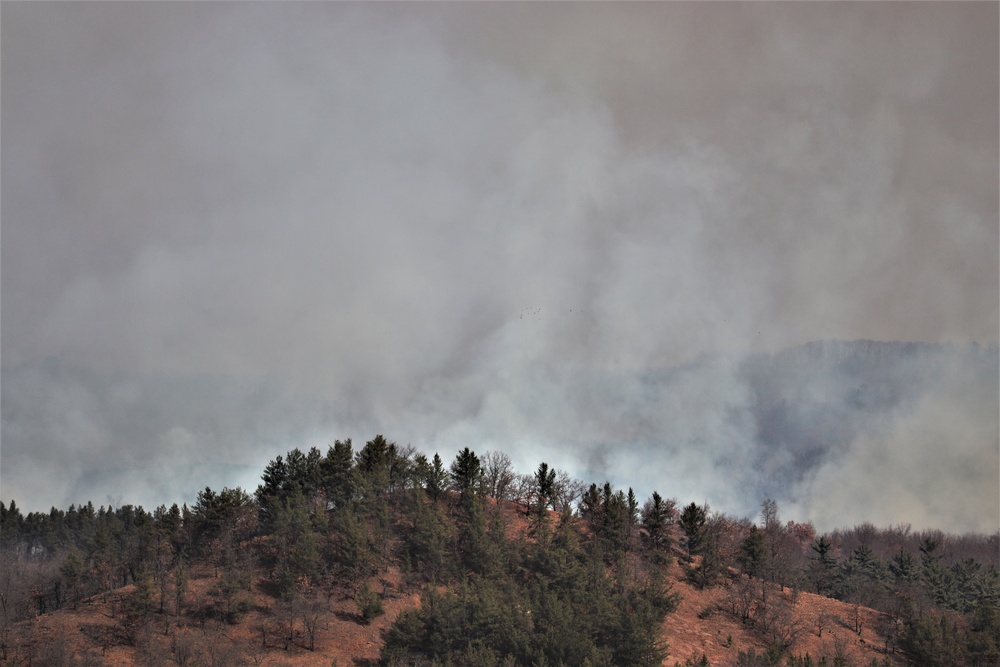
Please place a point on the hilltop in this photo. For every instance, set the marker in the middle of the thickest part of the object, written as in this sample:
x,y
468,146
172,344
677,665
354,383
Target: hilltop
x,y
383,556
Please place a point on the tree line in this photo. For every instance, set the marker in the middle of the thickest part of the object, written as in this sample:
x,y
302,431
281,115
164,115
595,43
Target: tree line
x,y
583,582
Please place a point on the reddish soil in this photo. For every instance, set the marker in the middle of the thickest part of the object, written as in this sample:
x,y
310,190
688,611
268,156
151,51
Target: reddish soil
x,y
342,638
701,625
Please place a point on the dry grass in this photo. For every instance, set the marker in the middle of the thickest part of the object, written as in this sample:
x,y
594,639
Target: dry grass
x,y
703,624
722,635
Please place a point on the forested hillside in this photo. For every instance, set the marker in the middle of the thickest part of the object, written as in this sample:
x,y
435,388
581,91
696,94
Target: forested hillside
x,y
382,555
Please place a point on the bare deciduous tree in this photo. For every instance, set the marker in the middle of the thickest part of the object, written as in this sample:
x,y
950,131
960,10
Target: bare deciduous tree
x,y
823,622
499,476
566,491
312,609
743,597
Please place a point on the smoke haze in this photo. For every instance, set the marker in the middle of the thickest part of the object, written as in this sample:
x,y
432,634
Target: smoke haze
x,y
557,230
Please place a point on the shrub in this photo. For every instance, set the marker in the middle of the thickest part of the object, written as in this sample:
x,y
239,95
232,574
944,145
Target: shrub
x,y
369,603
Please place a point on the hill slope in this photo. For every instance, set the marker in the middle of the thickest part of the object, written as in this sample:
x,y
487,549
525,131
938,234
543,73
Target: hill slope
x,y
324,625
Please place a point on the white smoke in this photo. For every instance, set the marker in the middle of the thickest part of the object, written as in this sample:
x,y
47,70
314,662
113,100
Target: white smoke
x,y
232,230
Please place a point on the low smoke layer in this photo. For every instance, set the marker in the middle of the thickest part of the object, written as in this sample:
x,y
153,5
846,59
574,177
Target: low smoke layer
x,y
555,230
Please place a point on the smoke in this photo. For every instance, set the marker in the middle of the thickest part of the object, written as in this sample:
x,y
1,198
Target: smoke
x,y
551,230
72,434
928,457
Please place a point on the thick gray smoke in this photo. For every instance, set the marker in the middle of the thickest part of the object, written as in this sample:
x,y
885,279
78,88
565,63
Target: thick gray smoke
x,y
555,230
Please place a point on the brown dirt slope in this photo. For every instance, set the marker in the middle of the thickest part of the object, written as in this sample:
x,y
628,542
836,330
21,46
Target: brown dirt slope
x,y
702,625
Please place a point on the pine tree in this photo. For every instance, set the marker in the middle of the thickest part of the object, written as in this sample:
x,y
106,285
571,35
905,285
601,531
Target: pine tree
x,y
474,548
823,565
984,635
298,553
615,527
373,463
591,507
467,473
337,474
273,489
656,517
72,574
753,553
545,480
435,480
693,524
936,577
427,539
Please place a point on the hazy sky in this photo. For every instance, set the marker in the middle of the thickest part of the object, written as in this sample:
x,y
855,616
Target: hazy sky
x,y
233,229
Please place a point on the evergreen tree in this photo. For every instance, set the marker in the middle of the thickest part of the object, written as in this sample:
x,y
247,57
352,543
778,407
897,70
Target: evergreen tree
x,y
298,559
432,475
272,491
657,515
349,549
475,552
427,539
693,524
983,643
304,471
168,525
467,473
862,578
903,567
935,575
753,554
972,584
545,481
11,521
591,507
374,462
374,466
933,641
823,566
553,602
711,567
632,505
72,574
337,474
615,526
